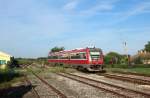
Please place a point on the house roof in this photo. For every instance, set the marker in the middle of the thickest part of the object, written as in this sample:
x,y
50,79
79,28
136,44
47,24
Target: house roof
x,y
4,54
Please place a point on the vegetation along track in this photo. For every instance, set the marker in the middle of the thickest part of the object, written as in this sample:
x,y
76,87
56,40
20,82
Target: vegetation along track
x,y
132,73
61,95
114,89
129,79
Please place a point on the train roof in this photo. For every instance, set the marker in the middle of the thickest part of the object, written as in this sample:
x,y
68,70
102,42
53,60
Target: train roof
x,y
4,54
75,50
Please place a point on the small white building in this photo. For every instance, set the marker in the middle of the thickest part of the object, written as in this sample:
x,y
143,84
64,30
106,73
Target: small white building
x,y
4,58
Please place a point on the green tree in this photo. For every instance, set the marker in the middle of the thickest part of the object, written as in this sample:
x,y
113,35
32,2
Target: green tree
x,y
113,57
57,49
147,47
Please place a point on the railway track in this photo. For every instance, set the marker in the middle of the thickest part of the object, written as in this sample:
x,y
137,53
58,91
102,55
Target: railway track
x,y
128,79
59,94
33,90
114,89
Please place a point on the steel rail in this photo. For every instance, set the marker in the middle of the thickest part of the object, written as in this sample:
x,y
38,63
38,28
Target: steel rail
x,y
116,86
61,95
101,88
34,91
129,79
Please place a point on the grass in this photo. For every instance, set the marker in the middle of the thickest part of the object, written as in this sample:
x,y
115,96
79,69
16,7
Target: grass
x,y
8,84
54,69
144,71
10,76
127,66
58,69
36,70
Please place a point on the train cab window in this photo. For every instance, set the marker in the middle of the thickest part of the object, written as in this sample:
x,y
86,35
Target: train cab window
x,y
95,55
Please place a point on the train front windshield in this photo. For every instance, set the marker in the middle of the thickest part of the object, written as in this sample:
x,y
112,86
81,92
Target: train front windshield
x,y
95,53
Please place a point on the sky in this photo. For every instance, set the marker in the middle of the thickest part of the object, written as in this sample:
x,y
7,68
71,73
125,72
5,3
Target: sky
x,y
30,28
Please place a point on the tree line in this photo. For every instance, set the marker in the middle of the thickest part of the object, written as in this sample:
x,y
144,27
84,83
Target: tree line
x,y
109,58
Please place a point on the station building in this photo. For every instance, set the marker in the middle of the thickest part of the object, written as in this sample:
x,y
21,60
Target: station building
x,y
4,58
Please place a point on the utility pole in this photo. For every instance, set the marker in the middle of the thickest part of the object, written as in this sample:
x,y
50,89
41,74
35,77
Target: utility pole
x,y
126,52
125,48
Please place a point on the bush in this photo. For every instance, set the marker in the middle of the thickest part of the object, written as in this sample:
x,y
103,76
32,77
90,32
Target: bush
x,y
8,74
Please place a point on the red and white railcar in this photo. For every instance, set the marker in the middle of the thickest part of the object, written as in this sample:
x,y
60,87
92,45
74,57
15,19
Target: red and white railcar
x,y
90,59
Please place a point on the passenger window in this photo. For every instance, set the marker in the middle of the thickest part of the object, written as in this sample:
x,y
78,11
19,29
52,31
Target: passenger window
x,y
78,56
82,55
64,56
75,56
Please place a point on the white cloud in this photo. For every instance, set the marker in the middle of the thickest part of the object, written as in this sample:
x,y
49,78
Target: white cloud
x,y
100,7
142,7
82,8
138,9
97,9
71,5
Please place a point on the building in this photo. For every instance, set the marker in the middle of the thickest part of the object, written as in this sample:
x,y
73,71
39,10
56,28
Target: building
x,y
4,58
142,55
145,55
